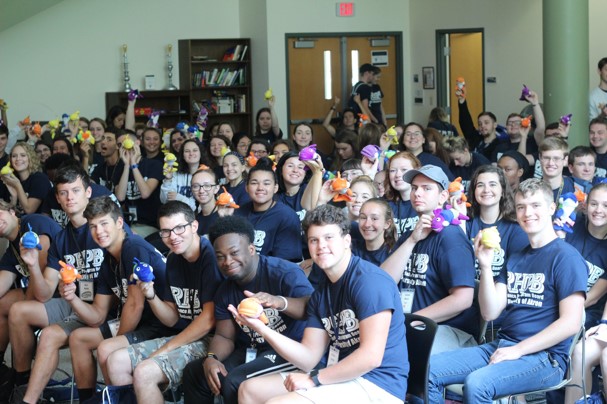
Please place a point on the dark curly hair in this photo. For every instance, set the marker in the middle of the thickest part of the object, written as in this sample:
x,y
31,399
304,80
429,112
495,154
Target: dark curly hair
x,y
232,224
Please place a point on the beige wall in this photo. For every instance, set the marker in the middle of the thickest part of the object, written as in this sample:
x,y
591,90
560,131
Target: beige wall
x,y
66,57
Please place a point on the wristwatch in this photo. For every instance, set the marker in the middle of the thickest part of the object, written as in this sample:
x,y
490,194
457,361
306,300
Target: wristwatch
x,y
314,377
212,355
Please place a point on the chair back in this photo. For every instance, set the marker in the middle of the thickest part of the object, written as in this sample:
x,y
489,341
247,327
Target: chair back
x,y
420,337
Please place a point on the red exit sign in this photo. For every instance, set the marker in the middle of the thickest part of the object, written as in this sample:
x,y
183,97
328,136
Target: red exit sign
x,y
345,9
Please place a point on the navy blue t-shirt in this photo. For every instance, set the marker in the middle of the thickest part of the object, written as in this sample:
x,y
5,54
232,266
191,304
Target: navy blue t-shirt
x,y
466,172
51,207
377,257
294,201
276,277
438,263
363,291
205,222
35,186
405,217
601,165
76,247
277,231
41,225
594,252
537,279
191,284
566,186
512,240
114,278
239,193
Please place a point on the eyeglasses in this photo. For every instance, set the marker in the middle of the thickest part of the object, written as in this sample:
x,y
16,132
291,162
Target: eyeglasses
x,y
547,159
165,233
413,134
259,152
513,123
206,187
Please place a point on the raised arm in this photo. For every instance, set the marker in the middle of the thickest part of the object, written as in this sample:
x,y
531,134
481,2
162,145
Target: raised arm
x,y
275,123
326,123
309,199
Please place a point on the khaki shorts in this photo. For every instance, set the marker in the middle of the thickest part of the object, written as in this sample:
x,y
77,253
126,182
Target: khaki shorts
x,y
171,363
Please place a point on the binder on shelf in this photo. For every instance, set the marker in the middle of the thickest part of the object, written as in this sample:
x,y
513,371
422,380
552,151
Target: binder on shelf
x,y
237,51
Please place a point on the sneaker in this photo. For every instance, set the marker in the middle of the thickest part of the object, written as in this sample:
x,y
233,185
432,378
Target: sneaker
x,y
18,394
596,398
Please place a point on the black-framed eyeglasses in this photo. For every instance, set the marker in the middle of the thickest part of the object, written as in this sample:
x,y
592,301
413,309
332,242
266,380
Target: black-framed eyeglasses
x,y
206,187
165,233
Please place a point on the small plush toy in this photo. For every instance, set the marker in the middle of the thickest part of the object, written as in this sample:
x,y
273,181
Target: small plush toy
x,y
68,274
566,119
371,152
142,272
456,188
308,153
153,119
170,163
3,105
134,94
224,150
363,120
26,121
526,122
580,195
65,119
252,160
328,175
524,93
194,132
252,308
268,94
342,187
202,118
84,136
7,169
226,199
445,217
566,212
490,238
460,84
128,143
53,126
30,239
75,117
182,127
392,135
37,129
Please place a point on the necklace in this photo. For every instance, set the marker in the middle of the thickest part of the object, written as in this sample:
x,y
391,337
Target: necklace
x,y
109,180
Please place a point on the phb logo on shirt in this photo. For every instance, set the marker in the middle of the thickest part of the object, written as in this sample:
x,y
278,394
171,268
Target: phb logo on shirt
x,y
594,274
87,262
185,299
526,289
347,327
275,322
415,270
260,238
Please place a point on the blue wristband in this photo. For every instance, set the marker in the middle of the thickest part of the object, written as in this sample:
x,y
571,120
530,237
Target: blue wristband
x,y
134,166
603,322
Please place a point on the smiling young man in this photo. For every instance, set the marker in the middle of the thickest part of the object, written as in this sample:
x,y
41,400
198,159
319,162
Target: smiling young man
x,y
597,99
597,135
134,320
239,353
553,155
542,290
582,166
435,270
186,305
74,246
355,321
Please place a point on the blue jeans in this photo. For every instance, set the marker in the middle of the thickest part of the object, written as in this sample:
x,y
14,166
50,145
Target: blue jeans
x,y
483,382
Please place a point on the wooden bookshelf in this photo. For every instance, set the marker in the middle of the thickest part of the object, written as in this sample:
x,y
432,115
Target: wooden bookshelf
x,y
219,81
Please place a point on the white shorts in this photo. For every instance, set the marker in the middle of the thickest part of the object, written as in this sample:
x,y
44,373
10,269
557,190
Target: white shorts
x,y
359,390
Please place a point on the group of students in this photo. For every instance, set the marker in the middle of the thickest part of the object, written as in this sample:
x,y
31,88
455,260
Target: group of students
x,y
321,269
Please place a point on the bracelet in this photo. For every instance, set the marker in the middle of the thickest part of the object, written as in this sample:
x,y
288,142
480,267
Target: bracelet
x,y
212,355
286,302
134,166
603,322
151,298
314,377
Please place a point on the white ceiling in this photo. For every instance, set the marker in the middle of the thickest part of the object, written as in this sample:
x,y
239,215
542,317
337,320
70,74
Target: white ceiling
x,y
12,12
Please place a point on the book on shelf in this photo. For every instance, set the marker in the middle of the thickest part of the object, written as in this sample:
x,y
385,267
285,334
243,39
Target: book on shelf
x,y
244,52
228,55
237,51
225,77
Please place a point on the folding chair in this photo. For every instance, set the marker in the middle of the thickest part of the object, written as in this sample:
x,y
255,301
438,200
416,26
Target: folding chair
x,y
420,337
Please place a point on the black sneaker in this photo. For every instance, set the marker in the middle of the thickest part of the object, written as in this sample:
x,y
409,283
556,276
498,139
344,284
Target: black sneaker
x,y
7,383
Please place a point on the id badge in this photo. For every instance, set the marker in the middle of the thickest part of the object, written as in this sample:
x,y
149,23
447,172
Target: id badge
x,y
114,325
86,290
251,355
133,213
406,299
333,356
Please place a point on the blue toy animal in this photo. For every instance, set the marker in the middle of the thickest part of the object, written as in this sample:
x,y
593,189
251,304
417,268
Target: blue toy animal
x,y
445,217
142,271
31,239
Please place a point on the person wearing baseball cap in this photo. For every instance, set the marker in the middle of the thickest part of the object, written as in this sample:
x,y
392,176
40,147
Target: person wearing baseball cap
x,y
437,279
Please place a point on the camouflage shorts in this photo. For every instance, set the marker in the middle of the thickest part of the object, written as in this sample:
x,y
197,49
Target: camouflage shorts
x,y
171,363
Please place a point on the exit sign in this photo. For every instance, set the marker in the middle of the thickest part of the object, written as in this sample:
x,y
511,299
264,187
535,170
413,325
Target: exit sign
x,y
345,9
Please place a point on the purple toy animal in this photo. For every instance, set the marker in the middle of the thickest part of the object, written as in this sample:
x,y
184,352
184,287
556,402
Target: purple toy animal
x,y
445,217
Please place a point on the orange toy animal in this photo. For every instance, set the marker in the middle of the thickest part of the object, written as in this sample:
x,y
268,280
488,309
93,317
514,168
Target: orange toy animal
x,y
460,85
251,307
526,122
68,274
251,160
225,199
342,187
37,129
456,188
